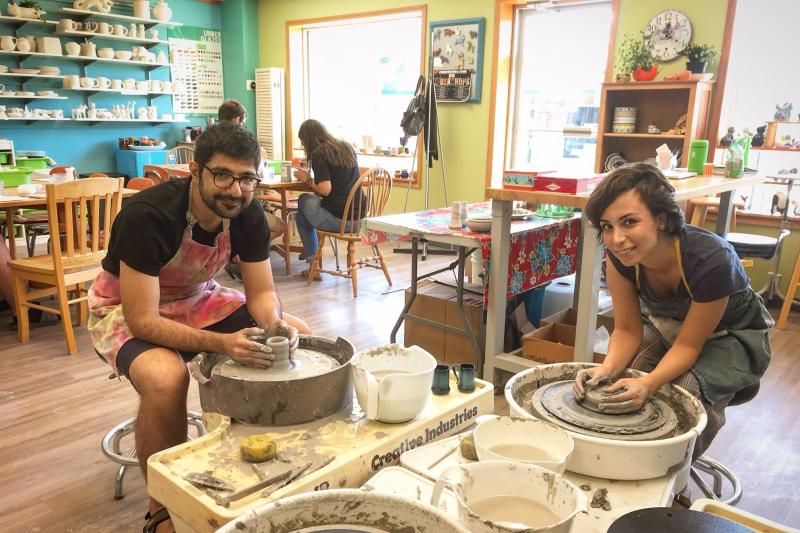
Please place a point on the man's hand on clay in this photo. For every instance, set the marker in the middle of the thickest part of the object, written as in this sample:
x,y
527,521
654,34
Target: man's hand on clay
x,y
247,347
283,329
625,396
590,377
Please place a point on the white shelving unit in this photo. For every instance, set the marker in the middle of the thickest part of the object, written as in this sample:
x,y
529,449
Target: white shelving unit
x,y
114,16
79,15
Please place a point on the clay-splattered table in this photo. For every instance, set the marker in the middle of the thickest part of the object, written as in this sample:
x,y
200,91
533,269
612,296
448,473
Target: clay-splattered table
x,y
540,250
360,448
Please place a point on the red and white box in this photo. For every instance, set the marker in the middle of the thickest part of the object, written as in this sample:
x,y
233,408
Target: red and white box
x,y
568,183
522,180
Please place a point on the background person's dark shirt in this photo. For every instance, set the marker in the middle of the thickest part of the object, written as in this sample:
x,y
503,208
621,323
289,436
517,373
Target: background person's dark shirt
x,y
341,178
147,232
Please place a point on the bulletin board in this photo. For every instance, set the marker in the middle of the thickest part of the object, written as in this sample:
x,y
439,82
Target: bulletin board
x,y
456,49
196,58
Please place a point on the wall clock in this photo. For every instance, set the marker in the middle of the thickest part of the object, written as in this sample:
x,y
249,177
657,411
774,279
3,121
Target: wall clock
x,y
671,31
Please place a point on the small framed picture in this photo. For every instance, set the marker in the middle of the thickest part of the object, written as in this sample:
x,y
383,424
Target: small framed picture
x,y
456,59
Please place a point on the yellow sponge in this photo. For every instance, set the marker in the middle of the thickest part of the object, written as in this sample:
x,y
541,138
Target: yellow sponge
x,y
259,448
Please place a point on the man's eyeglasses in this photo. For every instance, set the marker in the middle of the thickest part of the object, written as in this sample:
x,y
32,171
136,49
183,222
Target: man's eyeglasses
x,y
223,180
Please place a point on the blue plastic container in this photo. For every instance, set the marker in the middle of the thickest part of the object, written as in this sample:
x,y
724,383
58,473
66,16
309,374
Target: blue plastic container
x,y
131,162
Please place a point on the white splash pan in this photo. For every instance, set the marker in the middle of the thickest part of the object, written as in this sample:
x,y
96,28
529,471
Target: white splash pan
x,y
608,458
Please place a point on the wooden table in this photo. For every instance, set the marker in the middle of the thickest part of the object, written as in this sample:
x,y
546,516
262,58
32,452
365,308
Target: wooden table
x,y
179,170
590,258
30,202
282,188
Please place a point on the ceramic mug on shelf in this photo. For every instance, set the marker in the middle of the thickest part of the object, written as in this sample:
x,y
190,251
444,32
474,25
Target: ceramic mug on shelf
x,y
104,28
31,40
73,49
117,85
143,85
23,45
8,43
90,26
120,30
155,86
130,84
67,25
89,83
103,82
72,81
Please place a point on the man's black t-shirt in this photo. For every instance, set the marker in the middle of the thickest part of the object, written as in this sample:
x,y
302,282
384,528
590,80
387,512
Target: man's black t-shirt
x,y
147,232
341,178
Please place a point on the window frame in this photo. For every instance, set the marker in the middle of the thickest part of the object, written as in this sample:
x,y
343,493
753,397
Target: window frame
x,y
291,27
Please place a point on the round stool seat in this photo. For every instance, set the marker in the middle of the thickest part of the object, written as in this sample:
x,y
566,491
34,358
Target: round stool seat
x,y
750,245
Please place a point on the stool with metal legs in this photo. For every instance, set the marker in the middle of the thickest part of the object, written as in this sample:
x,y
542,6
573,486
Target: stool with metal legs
x,y
112,447
716,470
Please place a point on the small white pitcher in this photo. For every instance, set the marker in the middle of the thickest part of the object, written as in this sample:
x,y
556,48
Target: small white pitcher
x,y
393,383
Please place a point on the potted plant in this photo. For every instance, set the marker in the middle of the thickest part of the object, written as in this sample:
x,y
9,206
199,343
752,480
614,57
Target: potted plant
x,y
635,57
698,56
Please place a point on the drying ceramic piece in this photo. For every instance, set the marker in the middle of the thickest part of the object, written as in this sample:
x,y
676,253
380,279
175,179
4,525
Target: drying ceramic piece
x,y
323,386
611,455
393,383
345,510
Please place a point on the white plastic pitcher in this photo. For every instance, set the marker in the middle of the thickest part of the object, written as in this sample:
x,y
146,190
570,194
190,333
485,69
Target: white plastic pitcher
x,y
473,482
393,383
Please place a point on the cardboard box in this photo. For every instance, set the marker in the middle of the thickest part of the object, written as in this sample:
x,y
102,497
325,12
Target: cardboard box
x,y
570,317
567,183
553,343
437,302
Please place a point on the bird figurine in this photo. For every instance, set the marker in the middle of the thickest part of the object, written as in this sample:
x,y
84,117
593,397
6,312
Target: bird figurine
x,y
728,138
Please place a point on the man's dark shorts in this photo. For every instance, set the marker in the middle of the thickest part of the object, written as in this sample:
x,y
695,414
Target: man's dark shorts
x,y
234,322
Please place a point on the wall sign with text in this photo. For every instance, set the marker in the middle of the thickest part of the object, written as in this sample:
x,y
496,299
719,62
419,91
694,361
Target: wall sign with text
x,y
196,56
456,59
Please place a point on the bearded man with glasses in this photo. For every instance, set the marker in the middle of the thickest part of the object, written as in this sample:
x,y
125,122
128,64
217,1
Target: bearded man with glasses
x,y
155,304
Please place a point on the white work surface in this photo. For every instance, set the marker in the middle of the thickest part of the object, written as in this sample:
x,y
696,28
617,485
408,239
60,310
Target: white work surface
x,y
590,258
624,496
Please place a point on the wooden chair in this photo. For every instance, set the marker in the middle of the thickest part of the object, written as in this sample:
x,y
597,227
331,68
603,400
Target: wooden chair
x,y
35,222
140,184
179,155
374,186
69,268
98,175
787,303
156,173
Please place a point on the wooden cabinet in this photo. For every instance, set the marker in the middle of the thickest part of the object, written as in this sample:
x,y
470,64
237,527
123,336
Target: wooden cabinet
x,y
661,103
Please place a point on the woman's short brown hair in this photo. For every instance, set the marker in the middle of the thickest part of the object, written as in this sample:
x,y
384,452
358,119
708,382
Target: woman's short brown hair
x,y
656,192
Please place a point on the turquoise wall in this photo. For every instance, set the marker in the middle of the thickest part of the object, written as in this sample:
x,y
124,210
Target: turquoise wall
x,y
240,52
90,148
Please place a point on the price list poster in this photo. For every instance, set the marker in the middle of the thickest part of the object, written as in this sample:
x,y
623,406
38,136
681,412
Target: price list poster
x,y
196,58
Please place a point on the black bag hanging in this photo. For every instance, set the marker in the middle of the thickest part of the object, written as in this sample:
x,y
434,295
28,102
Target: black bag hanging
x,y
414,116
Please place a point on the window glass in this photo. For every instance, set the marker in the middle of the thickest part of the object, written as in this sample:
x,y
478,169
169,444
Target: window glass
x,y
557,80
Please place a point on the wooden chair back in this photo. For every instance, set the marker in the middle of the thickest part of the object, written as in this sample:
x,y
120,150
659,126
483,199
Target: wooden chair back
x,y
156,173
374,186
81,217
98,175
140,184
180,155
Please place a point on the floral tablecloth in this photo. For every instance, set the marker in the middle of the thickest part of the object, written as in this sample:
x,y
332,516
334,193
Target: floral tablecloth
x,y
542,249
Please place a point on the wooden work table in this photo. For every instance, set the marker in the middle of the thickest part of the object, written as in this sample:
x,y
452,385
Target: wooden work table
x,y
590,258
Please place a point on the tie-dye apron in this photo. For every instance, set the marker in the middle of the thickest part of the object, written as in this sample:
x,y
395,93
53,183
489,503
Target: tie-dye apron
x,y
188,293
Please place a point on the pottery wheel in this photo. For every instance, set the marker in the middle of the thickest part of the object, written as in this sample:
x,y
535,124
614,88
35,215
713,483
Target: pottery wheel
x,y
556,402
305,363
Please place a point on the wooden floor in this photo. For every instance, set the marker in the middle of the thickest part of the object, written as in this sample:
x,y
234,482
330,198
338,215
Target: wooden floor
x,y
55,408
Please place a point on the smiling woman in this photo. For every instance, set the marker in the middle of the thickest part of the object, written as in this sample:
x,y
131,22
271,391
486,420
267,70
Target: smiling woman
x,y
683,309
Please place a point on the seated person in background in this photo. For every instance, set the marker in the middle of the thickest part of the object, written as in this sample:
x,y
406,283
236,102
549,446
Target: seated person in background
x,y
233,112
684,311
155,304
335,169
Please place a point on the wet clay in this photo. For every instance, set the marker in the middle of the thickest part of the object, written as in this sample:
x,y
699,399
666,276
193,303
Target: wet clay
x,y
467,446
513,511
600,500
304,364
594,396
